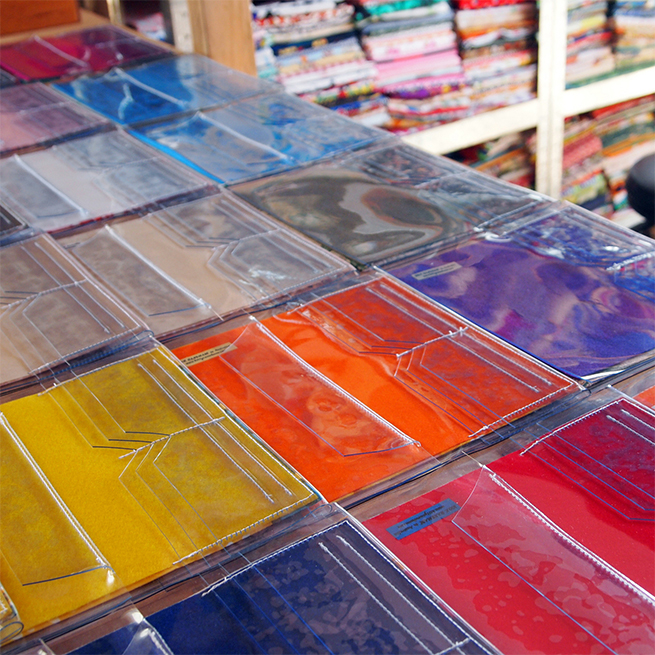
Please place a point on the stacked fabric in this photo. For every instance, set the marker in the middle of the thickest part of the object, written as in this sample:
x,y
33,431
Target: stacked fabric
x,y
264,56
316,53
498,49
506,158
419,69
634,24
583,179
627,133
589,40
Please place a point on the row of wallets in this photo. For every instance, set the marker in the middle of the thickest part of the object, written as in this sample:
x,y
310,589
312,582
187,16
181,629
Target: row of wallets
x,y
349,323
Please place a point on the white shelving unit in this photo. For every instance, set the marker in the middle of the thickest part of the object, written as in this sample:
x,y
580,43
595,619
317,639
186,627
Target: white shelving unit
x,y
547,112
221,30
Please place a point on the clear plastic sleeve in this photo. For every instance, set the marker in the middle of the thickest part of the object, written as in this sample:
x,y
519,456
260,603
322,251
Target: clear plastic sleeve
x,y
202,261
512,548
92,177
73,53
151,469
257,136
51,315
371,379
564,286
36,115
326,587
385,201
162,88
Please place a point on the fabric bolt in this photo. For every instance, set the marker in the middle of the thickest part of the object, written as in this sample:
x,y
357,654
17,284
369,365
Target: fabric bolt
x,y
562,296
202,260
445,62
332,592
506,158
147,472
626,132
35,115
498,51
314,50
89,178
73,53
162,88
589,40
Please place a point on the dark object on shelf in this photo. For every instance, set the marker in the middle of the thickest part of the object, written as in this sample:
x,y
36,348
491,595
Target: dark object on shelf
x,y
640,186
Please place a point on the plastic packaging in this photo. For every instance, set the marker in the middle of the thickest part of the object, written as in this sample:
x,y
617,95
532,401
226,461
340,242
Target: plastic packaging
x,y
257,136
52,315
510,547
563,286
202,261
326,588
385,201
153,471
73,53
159,89
371,380
35,114
92,177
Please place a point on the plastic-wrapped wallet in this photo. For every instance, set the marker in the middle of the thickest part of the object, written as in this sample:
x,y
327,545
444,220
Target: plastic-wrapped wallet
x,y
142,473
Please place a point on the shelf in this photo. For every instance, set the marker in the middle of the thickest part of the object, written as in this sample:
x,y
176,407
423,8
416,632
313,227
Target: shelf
x,y
87,19
626,86
476,129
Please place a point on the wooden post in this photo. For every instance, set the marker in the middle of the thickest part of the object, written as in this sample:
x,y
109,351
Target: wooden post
x,y
222,30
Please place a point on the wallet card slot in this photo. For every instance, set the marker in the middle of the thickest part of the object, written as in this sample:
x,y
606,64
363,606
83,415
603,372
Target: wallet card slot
x,y
268,264
636,275
222,153
94,323
402,164
610,453
476,198
167,497
32,266
133,277
212,485
147,182
607,605
138,402
35,520
211,221
379,317
54,326
452,367
578,237
324,409
102,151
33,197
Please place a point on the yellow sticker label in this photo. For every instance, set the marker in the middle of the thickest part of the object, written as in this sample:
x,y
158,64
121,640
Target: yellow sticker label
x,y
208,354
